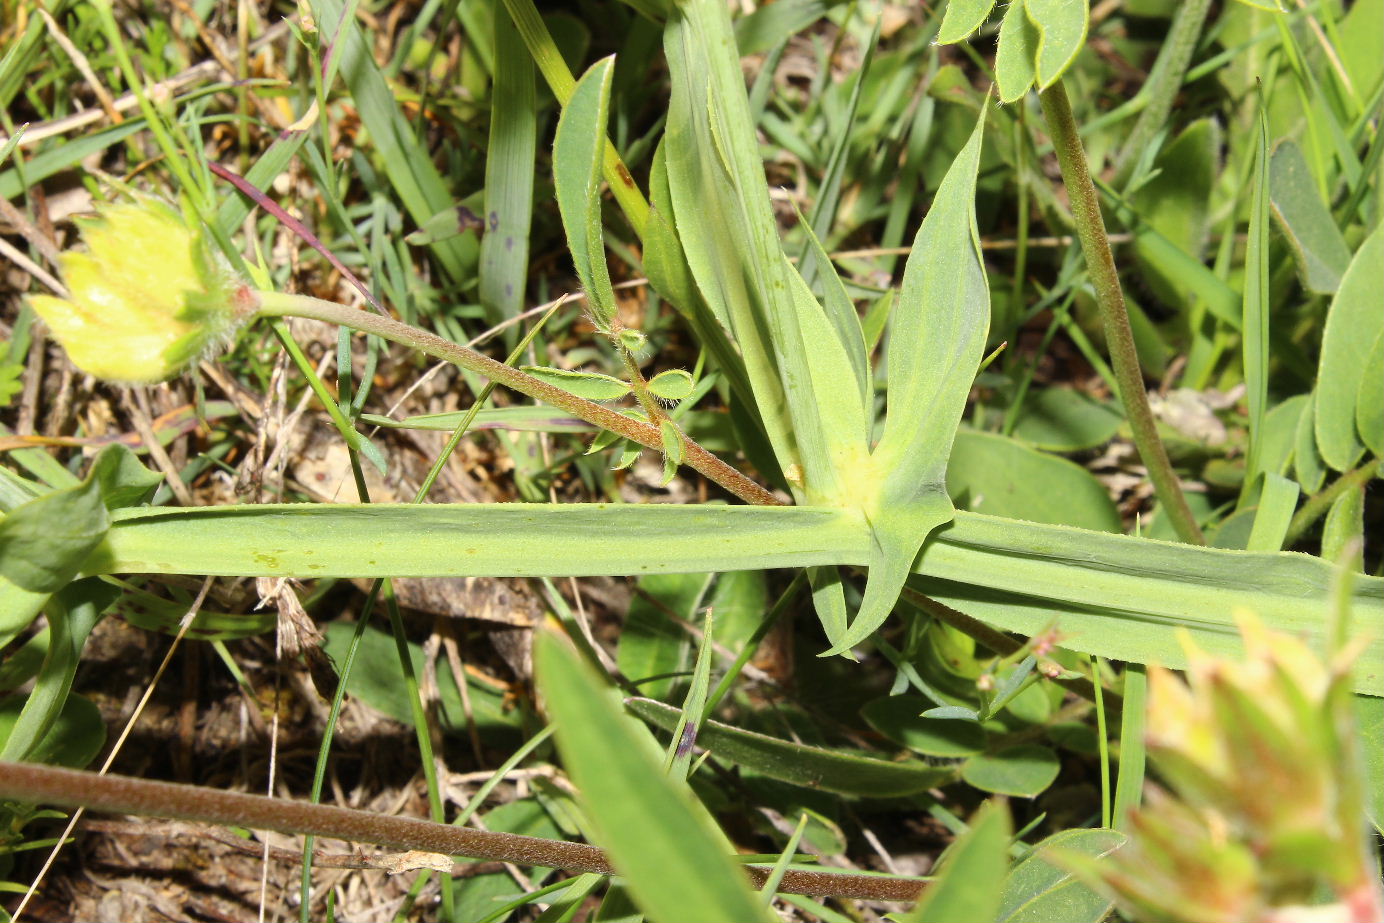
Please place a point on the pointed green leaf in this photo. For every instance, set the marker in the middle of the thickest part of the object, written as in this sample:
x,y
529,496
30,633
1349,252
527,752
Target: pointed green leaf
x,y
970,882
593,386
578,151
1018,49
45,542
1318,247
962,18
1353,323
674,858
672,449
671,385
938,337
1062,31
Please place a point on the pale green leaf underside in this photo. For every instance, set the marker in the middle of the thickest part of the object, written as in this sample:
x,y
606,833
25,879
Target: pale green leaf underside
x,y
1111,595
1062,28
1353,323
1014,57
1318,247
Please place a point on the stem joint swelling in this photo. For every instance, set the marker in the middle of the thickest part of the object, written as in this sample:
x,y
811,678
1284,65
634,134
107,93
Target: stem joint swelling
x,y
278,304
1105,280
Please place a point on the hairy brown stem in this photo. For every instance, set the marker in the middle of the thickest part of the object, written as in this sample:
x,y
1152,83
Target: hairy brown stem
x,y
31,782
277,304
1119,338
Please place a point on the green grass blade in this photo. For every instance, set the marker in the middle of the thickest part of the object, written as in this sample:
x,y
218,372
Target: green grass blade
x,y
674,858
1255,326
798,764
509,172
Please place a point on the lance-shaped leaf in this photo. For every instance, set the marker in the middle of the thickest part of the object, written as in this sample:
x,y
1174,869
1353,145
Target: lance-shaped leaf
x,y
577,152
939,330
799,369
1062,27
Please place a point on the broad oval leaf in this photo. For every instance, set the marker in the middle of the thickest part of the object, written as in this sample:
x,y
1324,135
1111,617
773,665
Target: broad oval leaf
x,y
989,473
1039,891
899,717
1353,323
1066,420
1062,27
798,764
74,738
593,386
674,858
1023,770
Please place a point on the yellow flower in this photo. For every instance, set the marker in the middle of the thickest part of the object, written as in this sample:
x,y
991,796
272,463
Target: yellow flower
x,y
148,298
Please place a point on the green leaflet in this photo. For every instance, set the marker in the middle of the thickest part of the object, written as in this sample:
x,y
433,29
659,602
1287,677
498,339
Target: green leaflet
x,y
1062,28
658,835
578,150
1353,323
1018,46
939,329
1112,595
1369,402
1038,890
594,386
964,17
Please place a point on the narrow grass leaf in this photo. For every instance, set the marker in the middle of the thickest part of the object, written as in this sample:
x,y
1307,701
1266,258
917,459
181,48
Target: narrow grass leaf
x,y
1318,248
798,764
1353,323
1017,50
1255,327
509,173
963,17
674,858
684,739
1129,784
971,880
577,156
1062,26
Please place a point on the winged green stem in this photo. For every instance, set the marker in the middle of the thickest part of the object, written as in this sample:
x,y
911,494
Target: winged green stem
x,y
36,783
279,304
1105,279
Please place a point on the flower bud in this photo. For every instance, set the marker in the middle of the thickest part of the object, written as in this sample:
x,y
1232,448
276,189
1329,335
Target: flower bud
x,y
147,299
